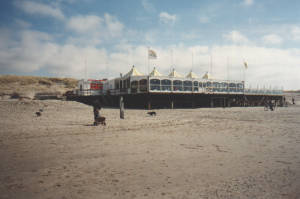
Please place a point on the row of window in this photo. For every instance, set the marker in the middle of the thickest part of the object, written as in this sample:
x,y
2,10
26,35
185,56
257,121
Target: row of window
x,y
195,89
187,83
178,85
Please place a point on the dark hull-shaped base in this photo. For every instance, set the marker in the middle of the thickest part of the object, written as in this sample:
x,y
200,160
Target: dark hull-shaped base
x,y
173,100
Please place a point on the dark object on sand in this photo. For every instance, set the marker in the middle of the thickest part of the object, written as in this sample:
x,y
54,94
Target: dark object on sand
x,y
38,114
271,106
121,108
100,120
41,110
96,112
293,100
152,113
268,105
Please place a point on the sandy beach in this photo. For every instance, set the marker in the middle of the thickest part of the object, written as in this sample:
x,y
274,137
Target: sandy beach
x,y
181,153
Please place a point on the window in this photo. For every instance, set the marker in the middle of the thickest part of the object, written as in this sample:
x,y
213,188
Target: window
x,y
240,87
224,87
154,84
196,84
143,85
166,85
134,86
154,81
224,84
187,85
177,85
232,87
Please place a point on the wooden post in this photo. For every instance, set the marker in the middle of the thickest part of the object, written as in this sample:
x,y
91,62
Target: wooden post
x,y
121,108
172,104
149,104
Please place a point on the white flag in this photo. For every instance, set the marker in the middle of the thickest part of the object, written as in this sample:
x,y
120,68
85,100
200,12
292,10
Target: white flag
x,y
151,54
246,65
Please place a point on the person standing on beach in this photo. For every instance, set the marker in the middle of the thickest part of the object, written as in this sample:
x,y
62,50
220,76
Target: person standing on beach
x,y
293,100
271,105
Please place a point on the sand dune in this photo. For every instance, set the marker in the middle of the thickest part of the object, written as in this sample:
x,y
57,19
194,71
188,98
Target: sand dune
x,y
181,153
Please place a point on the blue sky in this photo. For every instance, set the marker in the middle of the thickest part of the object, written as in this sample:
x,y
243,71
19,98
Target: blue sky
x,y
61,37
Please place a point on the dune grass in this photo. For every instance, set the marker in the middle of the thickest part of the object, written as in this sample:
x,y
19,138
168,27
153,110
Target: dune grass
x,y
27,80
30,85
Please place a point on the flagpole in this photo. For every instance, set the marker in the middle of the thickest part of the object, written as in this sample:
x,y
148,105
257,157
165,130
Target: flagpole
x,y
192,60
211,64
227,68
172,60
148,58
245,68
85,69
244,73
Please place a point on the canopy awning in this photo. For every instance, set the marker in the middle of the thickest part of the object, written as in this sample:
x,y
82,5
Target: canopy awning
x,y
207,75
192,75
133,72
155,73
174,74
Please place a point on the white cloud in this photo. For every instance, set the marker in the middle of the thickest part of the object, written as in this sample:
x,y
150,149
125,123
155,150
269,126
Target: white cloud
x,y
35,51
92,23
114,27
272,39
32,7
24,55
84,24
236,37
248,2
92,29
167,18
295,33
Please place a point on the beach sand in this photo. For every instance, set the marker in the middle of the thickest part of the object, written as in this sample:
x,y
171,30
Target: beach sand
x,y
181,153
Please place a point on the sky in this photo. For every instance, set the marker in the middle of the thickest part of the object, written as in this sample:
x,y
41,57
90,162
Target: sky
x,y
103,38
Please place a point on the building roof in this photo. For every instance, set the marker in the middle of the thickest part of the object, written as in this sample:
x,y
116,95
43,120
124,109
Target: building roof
x,y
133,72
192,75
155,73
174,74
207,75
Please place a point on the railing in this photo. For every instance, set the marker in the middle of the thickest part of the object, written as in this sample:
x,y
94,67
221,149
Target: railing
x,y
212,89
263,91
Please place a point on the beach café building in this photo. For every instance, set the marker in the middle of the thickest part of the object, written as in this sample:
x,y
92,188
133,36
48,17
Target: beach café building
x,y
175,90
135,82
